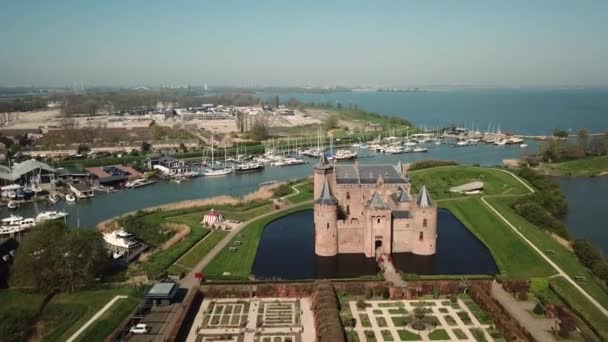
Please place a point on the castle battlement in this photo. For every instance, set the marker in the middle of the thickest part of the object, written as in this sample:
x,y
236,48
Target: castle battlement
x,y
369,209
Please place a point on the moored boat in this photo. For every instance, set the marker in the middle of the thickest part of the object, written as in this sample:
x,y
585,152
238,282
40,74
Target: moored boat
x,y
50,215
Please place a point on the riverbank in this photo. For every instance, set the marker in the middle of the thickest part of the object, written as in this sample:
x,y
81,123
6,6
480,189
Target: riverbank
x,y
586,167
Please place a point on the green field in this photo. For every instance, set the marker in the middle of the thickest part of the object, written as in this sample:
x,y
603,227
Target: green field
x,y
67,312
514,257
581,167
566,260
239,263
198,252
306,193
161,261
439,180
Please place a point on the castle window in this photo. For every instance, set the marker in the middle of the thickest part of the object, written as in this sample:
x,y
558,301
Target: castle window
x,y
421,236
347,195
378,220
327,225
424,223
347,210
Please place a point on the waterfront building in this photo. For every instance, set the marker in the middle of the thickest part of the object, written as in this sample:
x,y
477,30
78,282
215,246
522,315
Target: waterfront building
x,y
26,172
212,217
369,209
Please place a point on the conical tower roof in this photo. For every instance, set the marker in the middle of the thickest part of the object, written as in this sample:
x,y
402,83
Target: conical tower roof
x,y
326,197
402,196
424,198
323,162
377,203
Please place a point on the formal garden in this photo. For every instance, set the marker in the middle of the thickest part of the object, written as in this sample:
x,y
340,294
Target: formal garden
x,y
442,319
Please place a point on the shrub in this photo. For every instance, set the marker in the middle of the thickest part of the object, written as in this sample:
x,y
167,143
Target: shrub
x,y
385,293
361,304
536,214
426,164
369,293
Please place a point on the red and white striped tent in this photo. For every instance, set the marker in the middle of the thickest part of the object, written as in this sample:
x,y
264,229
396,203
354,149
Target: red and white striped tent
x,y
212,217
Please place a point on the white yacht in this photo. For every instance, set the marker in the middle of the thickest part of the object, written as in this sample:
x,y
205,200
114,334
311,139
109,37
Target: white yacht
x,y
50,215
345,155
53,198
410,143
120,238
248,167
462,143
216,171
138,183
70,198
15,224
420,149
394,149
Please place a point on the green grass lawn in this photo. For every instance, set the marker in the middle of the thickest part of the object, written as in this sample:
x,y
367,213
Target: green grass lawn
x,y
513,256
566,260
306,193
581,306
162,261
239,263
67,312
199,251
439,180
581,167
105,324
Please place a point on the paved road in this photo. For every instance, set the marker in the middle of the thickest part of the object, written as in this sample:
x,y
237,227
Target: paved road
x,y
538,327
547,259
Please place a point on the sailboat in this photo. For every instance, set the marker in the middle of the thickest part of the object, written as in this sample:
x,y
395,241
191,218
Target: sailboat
x,y
212,171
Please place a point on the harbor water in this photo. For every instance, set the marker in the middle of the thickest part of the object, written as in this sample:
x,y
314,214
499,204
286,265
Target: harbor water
x,y
89,212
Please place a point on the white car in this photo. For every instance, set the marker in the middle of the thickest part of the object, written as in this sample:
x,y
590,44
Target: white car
x,y
140,328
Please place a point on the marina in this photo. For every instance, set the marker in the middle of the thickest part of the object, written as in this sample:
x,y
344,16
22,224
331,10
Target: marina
x,y
87,213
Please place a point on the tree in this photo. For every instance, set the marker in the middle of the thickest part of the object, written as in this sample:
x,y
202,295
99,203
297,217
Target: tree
x,y
145,147
259,130
582,138
183,148
56,259
83,149
330,122
560,133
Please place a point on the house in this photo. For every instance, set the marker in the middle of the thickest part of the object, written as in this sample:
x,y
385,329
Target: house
x,y
168,165
114,174
81,190
28,171
212,217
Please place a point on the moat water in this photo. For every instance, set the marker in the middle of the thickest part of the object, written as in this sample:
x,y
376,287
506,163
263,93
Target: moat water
x,y
287,251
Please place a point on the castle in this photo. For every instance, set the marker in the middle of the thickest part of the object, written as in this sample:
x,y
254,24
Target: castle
x,y
368,209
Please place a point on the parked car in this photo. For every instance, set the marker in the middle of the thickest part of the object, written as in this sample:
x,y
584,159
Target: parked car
x,y
139,329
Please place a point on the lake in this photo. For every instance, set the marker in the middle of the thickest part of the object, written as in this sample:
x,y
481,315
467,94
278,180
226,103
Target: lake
x,y
286,251
530,112
587,204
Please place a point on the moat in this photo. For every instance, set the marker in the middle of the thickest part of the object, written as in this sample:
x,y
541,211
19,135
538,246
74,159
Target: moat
x,y
286,251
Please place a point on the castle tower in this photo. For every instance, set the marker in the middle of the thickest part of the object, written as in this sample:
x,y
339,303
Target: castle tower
x,y
326,221
322,170
424,235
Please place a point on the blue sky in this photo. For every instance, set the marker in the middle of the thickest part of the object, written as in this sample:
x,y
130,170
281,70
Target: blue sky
x,y
229,42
